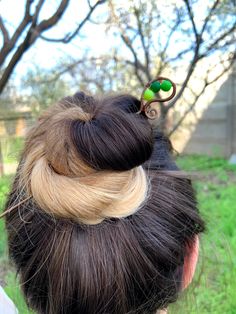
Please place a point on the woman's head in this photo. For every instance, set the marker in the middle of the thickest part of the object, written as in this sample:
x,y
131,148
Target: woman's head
x,y
107,219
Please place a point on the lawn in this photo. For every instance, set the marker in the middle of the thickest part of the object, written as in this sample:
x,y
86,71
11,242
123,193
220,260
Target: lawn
x,y
214,288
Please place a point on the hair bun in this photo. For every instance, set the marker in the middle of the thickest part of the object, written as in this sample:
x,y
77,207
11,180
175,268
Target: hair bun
x,y
73,140
113,139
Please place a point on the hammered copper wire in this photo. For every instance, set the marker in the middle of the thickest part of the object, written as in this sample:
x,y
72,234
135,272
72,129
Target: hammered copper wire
x,y
146,105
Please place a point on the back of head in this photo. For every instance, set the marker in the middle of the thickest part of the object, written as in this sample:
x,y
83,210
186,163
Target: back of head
x,y
101,218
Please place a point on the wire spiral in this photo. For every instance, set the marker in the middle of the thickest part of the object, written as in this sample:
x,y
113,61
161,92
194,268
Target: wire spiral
x,y
150,112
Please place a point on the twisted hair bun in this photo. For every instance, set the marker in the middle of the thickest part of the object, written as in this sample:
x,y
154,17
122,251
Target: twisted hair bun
x,y
83,158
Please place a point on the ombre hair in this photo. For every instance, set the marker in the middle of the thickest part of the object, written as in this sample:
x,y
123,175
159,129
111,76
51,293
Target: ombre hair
x,y
99,217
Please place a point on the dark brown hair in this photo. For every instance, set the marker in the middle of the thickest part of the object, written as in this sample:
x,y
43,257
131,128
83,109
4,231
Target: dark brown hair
x,y
94,260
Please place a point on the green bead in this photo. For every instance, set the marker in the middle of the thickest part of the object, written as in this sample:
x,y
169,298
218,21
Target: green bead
x,y
155,86
166,85
148,94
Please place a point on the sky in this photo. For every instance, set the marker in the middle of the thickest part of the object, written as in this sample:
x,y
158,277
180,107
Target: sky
x,y
47,54
95,38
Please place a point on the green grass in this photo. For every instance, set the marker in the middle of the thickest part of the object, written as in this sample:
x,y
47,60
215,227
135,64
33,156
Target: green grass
x,y
11,286
13,291
4,188
11,148
216,291
204,163
214,287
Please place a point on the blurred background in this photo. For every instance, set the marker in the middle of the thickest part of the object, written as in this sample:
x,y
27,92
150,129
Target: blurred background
x,y
50,49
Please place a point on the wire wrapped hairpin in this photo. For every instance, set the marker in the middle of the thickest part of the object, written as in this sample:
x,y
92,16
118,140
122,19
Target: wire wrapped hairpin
x,y
150,95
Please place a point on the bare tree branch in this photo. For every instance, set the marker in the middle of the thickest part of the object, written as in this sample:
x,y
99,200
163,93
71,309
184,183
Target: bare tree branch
x,y
25,21
163,63
137,64
207,19
127,41
10,44
89,4
180,55
66,69
141,70
4,31
219,39
197,55
190,13
34,31
145,47
187,78
68,37
196,58
196,96
48,23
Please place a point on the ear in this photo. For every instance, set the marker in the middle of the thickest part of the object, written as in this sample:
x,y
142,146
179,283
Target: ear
x,y
190,262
